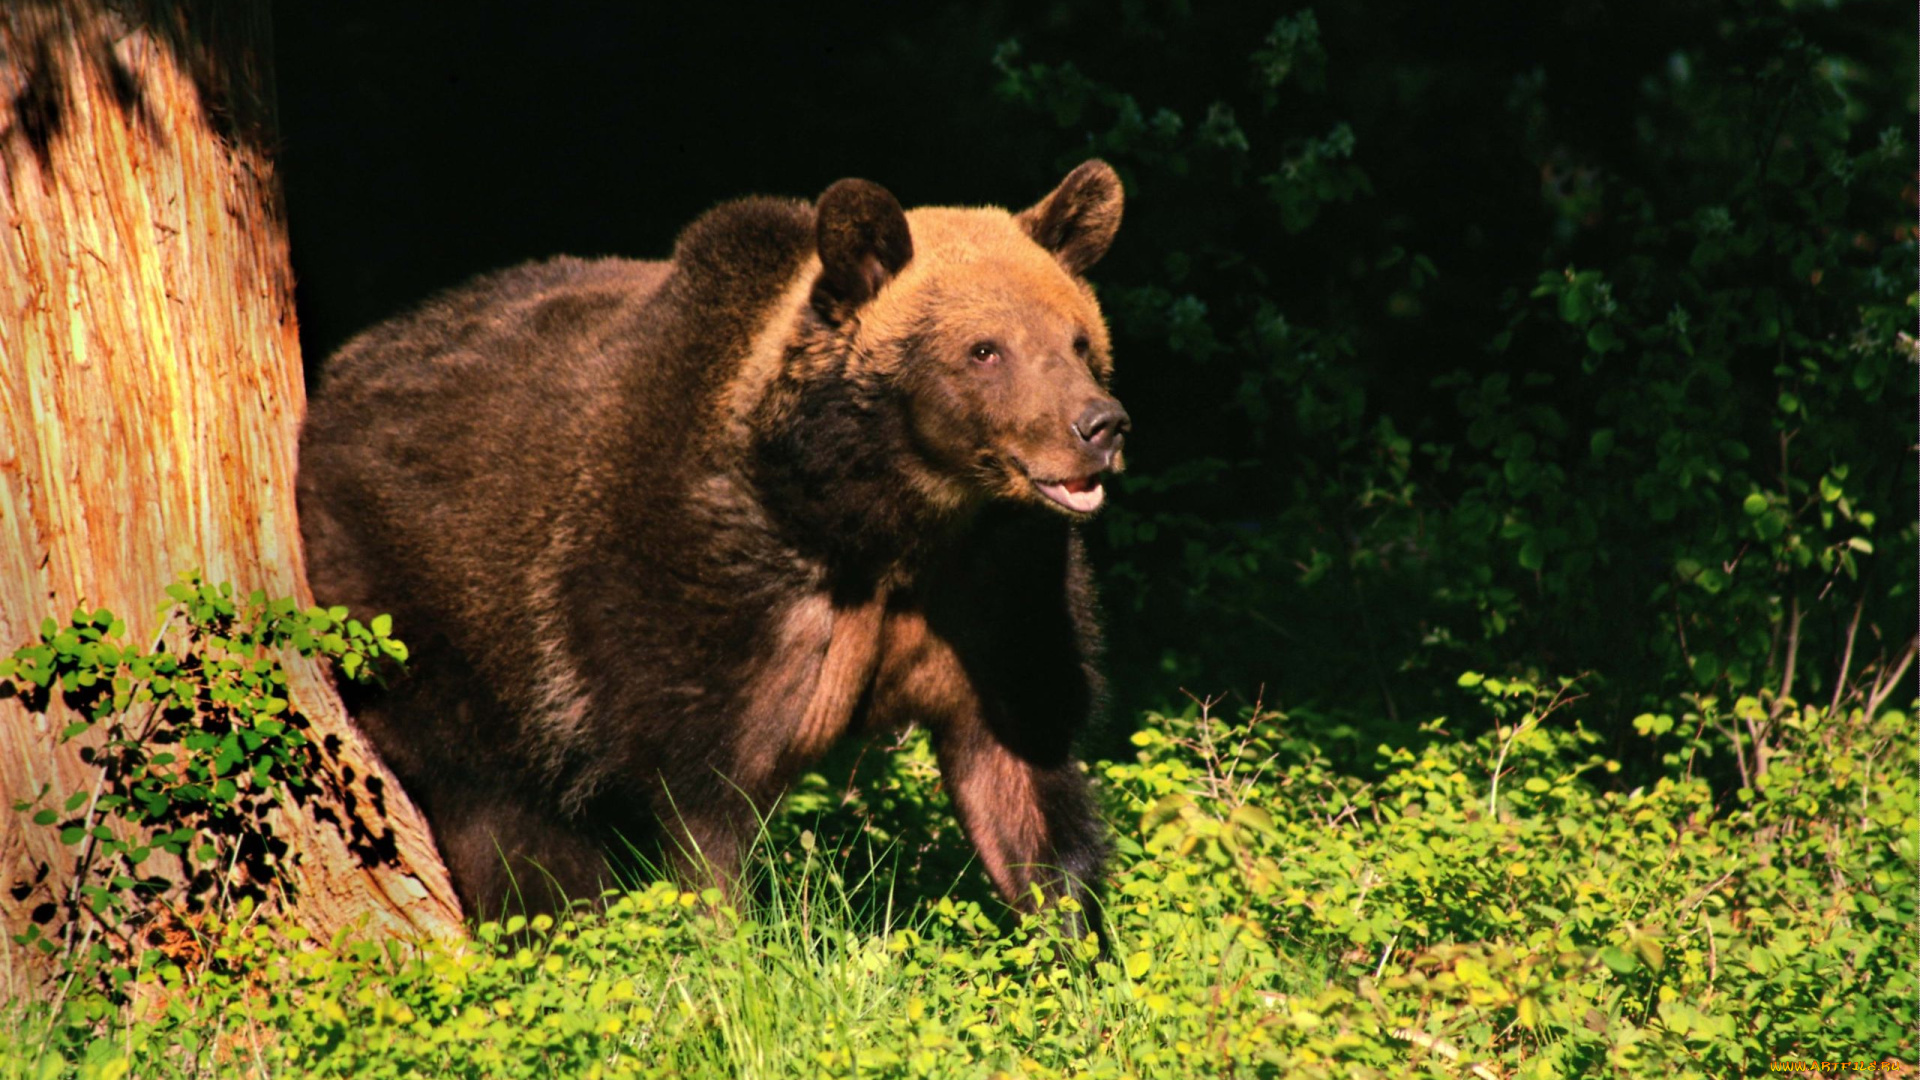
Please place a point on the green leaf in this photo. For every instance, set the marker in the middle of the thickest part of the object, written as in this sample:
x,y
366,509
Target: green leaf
x,y
1649,724
1574,307
1533,554
1706,666
1164,809
1139,964
1618,959
1253,818
1600,444
1650,951
382,625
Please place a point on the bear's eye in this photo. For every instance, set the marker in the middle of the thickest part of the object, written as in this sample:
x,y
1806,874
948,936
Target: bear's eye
x,y
1081,346
986,352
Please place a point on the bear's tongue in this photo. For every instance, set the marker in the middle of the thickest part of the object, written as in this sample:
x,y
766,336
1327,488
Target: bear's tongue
x,y
1081,496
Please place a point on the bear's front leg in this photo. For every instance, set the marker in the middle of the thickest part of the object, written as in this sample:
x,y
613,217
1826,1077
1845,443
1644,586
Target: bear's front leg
x,y
1028,810
1003,692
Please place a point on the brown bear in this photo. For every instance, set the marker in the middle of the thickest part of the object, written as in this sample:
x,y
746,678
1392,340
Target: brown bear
x,y
659,533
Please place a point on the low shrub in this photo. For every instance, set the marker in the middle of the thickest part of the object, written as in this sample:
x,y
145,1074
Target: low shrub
x,y
1490,906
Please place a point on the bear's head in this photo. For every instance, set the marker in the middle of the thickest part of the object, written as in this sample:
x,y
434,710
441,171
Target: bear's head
x,y
982,332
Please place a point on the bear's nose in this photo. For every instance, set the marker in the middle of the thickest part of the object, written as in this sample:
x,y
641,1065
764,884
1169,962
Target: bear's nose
x,y
1103,427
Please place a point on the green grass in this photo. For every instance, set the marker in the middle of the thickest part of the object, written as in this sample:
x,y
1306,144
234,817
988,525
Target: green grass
x,y
1270,916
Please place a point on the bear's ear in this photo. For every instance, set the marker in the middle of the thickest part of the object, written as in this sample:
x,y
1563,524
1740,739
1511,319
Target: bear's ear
x,y
1078,220
862,237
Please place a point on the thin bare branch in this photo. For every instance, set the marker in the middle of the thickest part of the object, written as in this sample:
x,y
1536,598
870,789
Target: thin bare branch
x,y
1793,658
1884,688
1760,731
1846,657
1739,759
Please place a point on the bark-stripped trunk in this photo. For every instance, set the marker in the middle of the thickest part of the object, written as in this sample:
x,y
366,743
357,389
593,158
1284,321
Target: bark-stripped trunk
x,y
151,396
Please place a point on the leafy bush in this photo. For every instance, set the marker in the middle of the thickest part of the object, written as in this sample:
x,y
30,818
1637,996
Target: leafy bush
x,y
1483,894
1487,901
195,745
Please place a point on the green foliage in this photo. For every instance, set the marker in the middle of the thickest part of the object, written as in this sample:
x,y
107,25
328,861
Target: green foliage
x,y
194,742
1564,930
1633,409
1269,915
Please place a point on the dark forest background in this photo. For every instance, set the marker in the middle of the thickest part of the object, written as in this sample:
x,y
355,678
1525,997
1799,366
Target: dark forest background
x,y
1551,338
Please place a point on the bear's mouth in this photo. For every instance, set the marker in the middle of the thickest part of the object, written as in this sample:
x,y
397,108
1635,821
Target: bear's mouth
x,y
1081,496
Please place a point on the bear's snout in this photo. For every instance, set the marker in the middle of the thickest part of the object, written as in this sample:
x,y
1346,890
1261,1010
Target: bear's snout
x,y
1102,428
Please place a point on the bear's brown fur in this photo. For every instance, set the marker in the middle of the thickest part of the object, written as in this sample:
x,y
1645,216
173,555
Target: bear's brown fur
x,y
660,533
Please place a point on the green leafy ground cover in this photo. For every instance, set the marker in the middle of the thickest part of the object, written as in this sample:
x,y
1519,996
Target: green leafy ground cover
x,y
1490,906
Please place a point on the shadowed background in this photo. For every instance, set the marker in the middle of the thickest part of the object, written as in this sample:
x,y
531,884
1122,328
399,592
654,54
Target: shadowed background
x,y
1456,336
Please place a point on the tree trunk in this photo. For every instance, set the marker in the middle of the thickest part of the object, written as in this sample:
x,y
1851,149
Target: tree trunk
x,y
150,403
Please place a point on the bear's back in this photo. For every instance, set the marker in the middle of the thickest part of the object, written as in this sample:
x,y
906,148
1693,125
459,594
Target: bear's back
x,y
439,443
449,453
534,323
